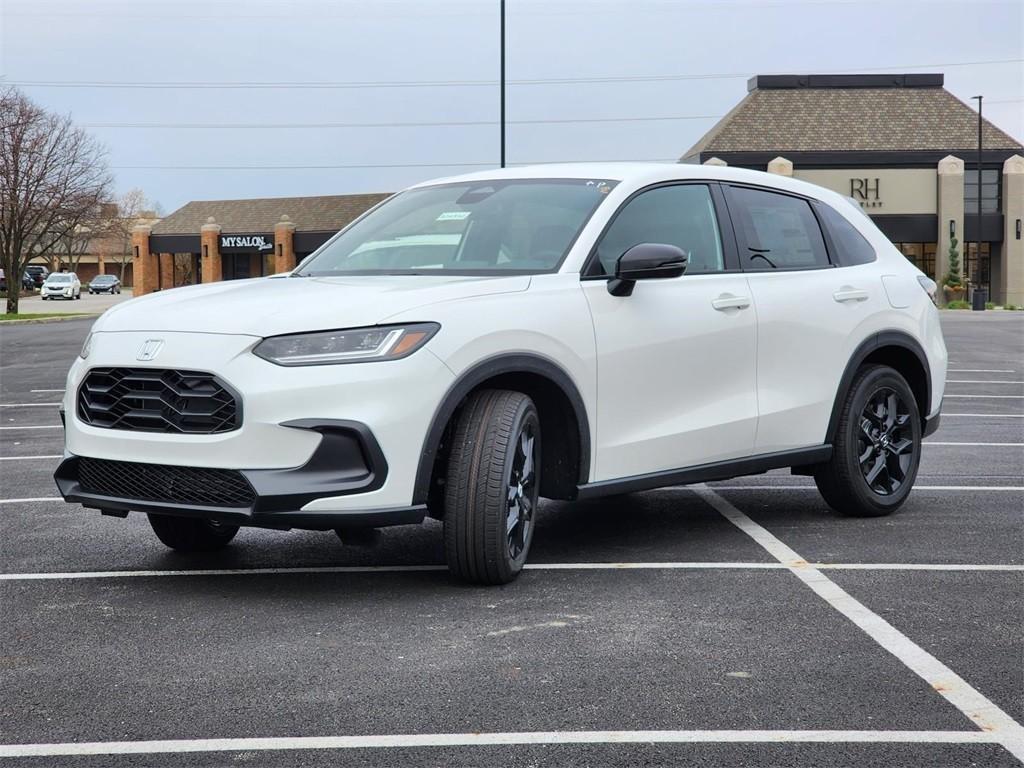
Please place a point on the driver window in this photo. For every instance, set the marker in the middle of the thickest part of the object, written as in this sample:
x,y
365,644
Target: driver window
x,y
682,215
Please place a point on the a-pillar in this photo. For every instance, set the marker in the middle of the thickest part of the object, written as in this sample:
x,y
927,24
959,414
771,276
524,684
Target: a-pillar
x,y
781,167
715,161
950,207
166,271
1011,267
284,245
209,238
144,266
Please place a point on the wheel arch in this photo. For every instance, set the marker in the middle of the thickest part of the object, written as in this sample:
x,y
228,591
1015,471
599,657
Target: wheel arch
x,y
565,430
899,351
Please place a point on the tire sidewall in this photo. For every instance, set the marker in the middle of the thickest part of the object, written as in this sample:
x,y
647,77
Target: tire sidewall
x,y
874,380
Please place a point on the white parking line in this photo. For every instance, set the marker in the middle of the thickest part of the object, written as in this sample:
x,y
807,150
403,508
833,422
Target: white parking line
x,y
45,390
412,740
980,381
27,458
985,488
988,415
37,426
654,566
989,445
984,397
950,370
29,405
976,707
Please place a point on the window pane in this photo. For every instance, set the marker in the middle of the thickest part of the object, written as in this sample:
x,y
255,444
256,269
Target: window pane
x,y
682,215
852,247
780,231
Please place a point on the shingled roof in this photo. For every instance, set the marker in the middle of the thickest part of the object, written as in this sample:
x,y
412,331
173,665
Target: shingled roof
x,y
788,113
310,214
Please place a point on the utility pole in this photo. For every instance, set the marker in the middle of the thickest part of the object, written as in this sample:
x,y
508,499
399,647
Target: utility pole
x,y
502,78
977,252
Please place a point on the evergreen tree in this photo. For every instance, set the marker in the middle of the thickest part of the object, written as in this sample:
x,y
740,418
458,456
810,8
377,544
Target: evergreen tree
x,y
952,277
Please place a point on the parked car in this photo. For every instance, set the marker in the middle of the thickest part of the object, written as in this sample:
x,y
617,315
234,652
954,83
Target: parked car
x,y
475,343
61,285
3,281
28,282
38,274
105,284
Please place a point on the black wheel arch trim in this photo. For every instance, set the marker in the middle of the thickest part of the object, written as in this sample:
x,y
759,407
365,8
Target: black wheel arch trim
x,y
476,375
875,341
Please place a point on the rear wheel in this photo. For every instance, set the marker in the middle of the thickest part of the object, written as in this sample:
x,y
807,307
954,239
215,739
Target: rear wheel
x,y
491,488
189,534
877,447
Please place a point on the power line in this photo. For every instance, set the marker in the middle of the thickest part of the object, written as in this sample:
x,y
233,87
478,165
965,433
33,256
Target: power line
x,y
486,164
449,123
251,85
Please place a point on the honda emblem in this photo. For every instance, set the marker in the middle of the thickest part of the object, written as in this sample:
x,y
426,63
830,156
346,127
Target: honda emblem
x,y
150,348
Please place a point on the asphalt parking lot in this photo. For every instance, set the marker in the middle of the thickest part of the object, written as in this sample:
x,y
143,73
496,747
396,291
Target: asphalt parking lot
x,y
738,624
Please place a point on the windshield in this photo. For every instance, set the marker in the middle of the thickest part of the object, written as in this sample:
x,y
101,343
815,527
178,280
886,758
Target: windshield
x,y
522,226
59,279
104,279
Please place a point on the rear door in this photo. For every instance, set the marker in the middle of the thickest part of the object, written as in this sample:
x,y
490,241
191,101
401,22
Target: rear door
x,y
811,313
676,360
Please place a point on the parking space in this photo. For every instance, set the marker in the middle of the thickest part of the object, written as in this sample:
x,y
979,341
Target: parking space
x,y
680,626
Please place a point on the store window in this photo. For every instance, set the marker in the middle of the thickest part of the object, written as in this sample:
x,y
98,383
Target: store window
x,y
990,178
978,268
921,255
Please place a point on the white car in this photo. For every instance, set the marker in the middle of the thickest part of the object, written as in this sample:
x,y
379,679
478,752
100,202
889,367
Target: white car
x,y
61,285
473,343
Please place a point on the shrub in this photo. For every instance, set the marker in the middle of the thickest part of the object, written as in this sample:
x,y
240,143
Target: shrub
x,y
990,305
959,304
952,277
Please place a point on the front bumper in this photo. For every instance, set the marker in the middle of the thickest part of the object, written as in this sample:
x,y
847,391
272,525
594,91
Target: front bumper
x,y
348,460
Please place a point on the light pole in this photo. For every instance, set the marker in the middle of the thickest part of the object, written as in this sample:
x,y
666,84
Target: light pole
x,y
977,247
502,84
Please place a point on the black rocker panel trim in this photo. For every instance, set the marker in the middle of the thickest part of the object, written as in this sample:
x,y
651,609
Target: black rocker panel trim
x,y
496,366
702,473
872,343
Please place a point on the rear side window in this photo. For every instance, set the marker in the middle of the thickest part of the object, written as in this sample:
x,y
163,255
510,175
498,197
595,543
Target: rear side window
x,y
776,231
851,246
682,215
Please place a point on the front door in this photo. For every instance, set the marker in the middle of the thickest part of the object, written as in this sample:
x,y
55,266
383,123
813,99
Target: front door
x,y
676,384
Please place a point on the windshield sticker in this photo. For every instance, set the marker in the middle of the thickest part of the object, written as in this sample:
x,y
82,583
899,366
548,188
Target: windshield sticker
x,y
453,216
603,187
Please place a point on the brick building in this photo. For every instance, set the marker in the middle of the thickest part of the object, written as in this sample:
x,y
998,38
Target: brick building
x,y
902,146
209,240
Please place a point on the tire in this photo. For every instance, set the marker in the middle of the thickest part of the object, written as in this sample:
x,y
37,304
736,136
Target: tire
x,y
877,446
492,480
189,534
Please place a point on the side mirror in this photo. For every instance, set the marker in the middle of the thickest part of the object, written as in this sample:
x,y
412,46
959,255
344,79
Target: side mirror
x,y
646,261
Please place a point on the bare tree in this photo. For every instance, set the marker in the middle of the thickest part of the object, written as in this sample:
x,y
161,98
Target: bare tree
x,y
131,207
52,176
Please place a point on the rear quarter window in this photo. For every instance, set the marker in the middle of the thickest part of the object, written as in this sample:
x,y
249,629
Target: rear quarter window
x,y
851,246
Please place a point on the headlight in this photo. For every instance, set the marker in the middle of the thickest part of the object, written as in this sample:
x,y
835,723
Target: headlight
x,y
356,345
86,347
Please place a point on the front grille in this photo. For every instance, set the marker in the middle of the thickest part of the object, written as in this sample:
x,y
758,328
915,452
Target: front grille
x,y
196,486
157,400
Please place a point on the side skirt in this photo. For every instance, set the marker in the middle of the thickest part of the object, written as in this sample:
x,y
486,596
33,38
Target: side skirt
x,y
719,470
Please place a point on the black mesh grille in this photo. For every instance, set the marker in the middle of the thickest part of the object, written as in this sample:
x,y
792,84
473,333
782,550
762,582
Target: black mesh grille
x,y
156,482
157,400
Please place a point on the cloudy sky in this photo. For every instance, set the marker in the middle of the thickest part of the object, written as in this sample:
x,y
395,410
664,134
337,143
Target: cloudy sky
x,y
599,80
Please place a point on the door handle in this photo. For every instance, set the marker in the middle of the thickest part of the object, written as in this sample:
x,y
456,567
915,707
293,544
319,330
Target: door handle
x,y
728,301
846,293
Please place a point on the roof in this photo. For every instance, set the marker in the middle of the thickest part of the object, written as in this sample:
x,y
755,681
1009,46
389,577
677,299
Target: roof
x,y
822,113
310,214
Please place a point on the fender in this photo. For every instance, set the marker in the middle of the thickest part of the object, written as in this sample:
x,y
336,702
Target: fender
x,y
860,354
475,375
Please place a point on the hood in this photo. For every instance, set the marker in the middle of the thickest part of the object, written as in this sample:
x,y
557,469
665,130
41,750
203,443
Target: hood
x,y
270,307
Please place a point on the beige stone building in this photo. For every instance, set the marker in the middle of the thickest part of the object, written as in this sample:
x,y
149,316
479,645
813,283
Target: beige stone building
x,y
904,148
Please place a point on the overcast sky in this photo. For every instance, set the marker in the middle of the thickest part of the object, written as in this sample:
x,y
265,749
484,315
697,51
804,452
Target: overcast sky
x,y
689,60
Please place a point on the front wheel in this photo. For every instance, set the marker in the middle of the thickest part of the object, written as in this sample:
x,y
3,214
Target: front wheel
x,y
877,446
190,534
491,487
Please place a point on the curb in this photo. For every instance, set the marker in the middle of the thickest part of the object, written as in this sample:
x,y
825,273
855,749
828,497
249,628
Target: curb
x,y
31,320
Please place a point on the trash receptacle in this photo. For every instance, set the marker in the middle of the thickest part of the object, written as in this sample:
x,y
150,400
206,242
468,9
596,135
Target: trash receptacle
x,y
979,299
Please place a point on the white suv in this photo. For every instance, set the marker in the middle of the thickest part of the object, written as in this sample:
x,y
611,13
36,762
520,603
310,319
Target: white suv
x,y
61,285
473,343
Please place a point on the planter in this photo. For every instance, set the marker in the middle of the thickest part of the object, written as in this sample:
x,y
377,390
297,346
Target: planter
x,y
954,293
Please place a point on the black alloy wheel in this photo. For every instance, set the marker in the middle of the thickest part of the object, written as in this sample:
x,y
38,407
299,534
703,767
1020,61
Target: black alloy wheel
x,y
876,449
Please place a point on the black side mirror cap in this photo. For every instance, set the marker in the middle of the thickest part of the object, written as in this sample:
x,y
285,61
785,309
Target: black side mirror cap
x,y
646,261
